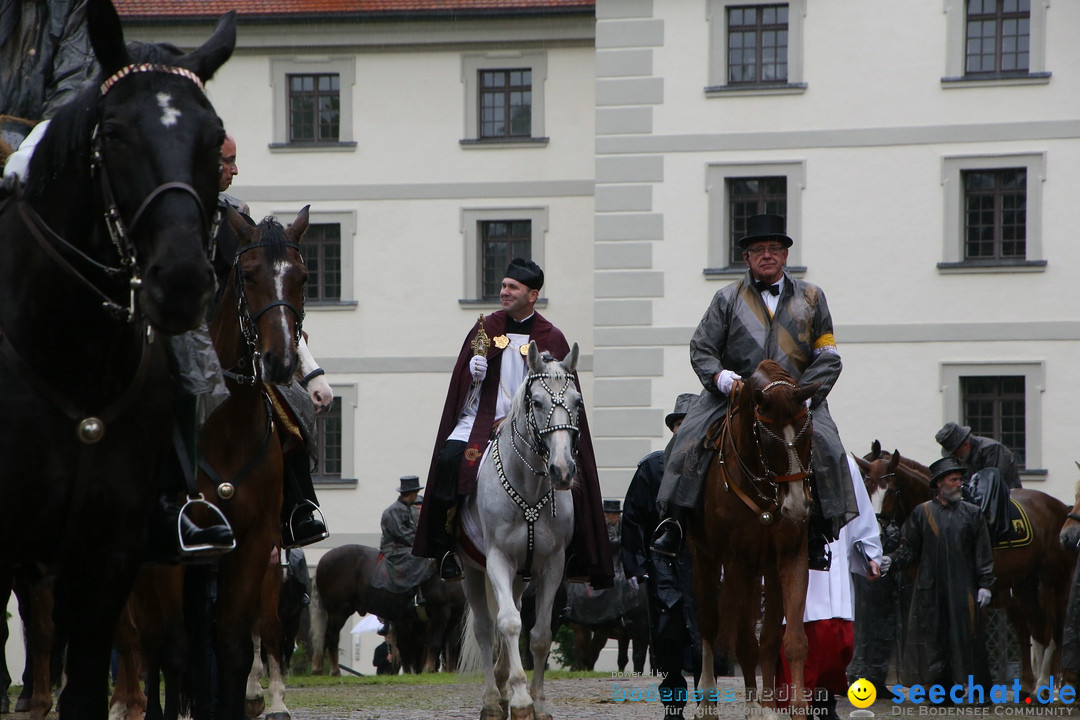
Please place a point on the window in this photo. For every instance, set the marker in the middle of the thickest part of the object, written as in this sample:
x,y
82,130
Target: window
x,y
995,214
493,237
755,48
998,36
738,190
322,254
504,98
1000,42
752,196
326,445
757,44
505,104
993,406
314,108
312,103
1002,400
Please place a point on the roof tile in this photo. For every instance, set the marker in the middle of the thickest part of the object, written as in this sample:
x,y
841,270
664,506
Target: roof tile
x,y
147,9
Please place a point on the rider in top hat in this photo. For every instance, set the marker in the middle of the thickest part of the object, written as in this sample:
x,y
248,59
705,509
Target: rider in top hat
x,y
403,571
766,315
482,387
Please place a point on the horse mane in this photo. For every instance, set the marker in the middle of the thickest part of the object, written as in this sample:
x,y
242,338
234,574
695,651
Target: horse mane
x,y
272,238
69,135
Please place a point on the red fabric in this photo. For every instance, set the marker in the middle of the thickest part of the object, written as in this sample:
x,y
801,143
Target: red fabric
x,y
830,644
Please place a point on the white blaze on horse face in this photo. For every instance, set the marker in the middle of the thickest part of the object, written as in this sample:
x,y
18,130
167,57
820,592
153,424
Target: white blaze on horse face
x,y
795,500
322,395
169,114
877,498
281,267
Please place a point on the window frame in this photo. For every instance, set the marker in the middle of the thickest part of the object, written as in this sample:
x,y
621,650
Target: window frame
x,y
1034,374
470,232
956,50
346,221
719,208
345,398
472,64
280,70
316,94
718,45
952,182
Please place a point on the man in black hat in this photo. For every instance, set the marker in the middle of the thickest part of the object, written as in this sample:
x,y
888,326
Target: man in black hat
x,y
400,571
672,610
989,472
765,315
948,539
482,388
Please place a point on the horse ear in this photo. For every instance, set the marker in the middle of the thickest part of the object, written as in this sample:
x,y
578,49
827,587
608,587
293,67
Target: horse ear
x,y
243,229
299,226
569,363
106,36
875,449
894,461
535,363
218,48
864,465
805,392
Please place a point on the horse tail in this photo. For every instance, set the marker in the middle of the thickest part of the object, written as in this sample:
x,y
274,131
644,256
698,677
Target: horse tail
x,y
319,621
470,660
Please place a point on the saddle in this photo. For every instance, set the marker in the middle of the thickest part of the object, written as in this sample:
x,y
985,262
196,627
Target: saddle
x,y
1005,519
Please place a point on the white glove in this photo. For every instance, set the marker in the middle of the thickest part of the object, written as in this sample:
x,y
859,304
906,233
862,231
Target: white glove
x,y
478,367
633,583
983,597
885,564
724,381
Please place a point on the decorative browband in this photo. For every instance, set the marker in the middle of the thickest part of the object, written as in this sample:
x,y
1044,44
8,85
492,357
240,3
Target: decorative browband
x,y
150,67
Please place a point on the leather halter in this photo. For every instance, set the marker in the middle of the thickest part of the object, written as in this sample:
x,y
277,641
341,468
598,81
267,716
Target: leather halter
x,y
765,487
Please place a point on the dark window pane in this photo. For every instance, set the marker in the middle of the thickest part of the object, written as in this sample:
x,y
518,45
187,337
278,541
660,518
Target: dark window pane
x,y
995,407
314,108
505,94
752,196
500,242
327,444
757,44
998,37
995,214
322,254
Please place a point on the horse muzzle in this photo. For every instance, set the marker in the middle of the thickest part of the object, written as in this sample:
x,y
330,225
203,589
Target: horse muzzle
x,y
174,298
562,475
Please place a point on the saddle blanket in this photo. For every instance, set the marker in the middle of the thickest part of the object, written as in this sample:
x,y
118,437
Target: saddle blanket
x,y
1019,534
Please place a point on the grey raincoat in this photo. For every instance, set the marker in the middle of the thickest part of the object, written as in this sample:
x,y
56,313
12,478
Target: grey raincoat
x,y
736,334
399,570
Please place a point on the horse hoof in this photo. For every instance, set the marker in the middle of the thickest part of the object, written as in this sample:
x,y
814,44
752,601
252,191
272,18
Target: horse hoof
x,y
22,705
253,707
489,713
525,713
281,715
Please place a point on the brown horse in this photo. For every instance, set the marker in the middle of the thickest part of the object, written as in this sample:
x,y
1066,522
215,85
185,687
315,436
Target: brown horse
x,y
343,586
757,502
1032,578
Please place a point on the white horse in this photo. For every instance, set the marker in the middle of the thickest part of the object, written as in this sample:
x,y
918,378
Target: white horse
x,y
525,514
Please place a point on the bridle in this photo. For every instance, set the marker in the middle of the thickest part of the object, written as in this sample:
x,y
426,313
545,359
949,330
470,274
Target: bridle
x,y
532,512
765,486
249,320
119,229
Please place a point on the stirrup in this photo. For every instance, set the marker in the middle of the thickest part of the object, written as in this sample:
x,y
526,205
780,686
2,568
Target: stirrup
x,y
205,550
290,526
660,532
450,568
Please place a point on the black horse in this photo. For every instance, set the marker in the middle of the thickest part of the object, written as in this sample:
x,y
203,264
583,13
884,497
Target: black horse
x,y
103,250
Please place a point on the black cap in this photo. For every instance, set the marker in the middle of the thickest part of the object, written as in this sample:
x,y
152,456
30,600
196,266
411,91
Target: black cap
x,y
682,404
942,467
526,272
764,227
612,506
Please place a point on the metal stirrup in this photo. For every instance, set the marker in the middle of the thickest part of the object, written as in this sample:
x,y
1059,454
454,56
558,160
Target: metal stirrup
x,y
205,549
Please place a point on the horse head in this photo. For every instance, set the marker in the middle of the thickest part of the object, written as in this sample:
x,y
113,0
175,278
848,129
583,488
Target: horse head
x,y
267,281
147,141
553,401
879,476
1070,531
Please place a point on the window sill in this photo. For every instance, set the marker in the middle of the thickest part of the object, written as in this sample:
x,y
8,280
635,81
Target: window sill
x,y
313,147
1036,78
745,90
493,304
991,266
327,482
1028,475
511,142
330,304
733,271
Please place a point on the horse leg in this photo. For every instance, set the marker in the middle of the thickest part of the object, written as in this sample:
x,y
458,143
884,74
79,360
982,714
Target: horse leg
x,y
254,703
501,579
793,572
582,644
483,631
772,632
624,650
540,637
271,631
40,641
240,580
706,573
334,622
742,587
128,699
1015,613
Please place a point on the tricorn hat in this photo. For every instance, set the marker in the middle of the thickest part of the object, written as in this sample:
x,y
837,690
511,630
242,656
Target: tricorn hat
x,y
951,436
612,505
409,483
764,227
942,467
525,272
682,405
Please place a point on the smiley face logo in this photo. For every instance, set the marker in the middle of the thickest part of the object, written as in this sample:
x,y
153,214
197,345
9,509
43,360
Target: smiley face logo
x,y
862,693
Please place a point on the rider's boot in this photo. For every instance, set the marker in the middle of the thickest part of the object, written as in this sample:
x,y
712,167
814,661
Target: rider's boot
x,y
817,541
669,534
301,521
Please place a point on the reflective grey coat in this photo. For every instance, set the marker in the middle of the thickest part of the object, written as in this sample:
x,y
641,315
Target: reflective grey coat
x,y
736,334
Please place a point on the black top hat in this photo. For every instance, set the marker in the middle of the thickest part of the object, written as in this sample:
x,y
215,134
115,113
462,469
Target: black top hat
x,y
612,506
409,483
525,272
682,404
764,227
942,467
951,436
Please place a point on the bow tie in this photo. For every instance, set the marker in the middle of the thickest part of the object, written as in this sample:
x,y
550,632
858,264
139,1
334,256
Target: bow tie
x,y
761,286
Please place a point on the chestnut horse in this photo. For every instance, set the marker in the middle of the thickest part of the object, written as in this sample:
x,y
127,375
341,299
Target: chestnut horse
x,y
1032,579
757,501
